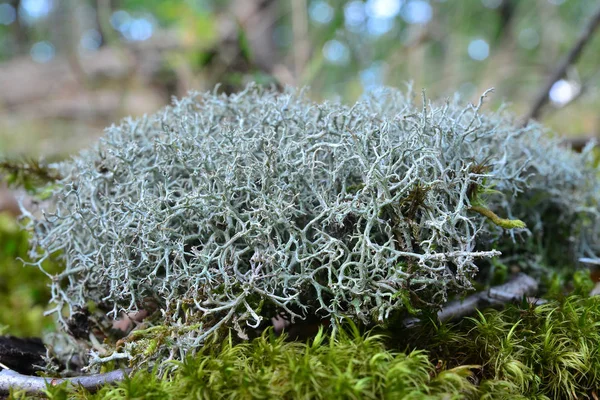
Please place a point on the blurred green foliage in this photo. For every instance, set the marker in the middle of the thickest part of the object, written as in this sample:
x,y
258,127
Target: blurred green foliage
x,y
32,175
377,42
24,291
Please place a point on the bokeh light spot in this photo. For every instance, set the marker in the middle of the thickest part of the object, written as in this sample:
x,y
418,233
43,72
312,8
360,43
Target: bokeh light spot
x,y
132,29
90,40
379,26
417,12
119,18
354,15
320,12
383,8
528,38
138,29
42,52
478,49
8,14
563,91
336,52
36,9
373,76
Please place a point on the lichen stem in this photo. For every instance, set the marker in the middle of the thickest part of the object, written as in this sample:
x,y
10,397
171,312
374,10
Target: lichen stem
x,y
501,222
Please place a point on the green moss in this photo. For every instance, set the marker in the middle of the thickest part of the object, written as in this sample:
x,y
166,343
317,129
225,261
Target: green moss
x,y
545,351
524,352
346,365
404,296
582,283
414,201
33,175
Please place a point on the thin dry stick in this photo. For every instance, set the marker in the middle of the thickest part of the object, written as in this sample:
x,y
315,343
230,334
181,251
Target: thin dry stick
x,y
570,58
35,384
514,290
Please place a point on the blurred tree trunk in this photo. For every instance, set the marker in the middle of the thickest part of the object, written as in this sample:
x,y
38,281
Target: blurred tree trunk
x,y
258,20
19,31
506,12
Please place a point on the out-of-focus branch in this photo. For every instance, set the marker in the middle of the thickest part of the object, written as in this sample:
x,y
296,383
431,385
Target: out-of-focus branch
x,y
569,59
579,143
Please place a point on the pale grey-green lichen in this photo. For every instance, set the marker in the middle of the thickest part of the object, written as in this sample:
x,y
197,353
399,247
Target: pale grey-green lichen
x,y
226,209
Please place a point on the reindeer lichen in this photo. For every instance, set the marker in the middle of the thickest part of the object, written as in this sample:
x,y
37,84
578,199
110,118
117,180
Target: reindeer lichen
x,y
224,210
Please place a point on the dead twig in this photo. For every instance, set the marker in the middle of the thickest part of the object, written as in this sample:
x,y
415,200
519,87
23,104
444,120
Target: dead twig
x,y
514,290
569,59
10,379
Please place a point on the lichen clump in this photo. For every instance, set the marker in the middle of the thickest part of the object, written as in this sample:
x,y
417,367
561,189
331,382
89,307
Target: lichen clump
x,y
225,210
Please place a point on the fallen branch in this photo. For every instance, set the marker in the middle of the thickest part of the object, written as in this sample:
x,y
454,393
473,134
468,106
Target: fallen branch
x,y
10,379
589,261
570,58
514,290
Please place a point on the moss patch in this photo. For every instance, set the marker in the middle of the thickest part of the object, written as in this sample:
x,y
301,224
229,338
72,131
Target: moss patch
x,y
526,351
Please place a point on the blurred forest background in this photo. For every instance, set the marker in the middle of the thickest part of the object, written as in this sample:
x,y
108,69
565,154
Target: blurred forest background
x,y
68,68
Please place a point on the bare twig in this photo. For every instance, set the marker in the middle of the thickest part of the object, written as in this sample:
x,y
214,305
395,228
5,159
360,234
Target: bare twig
x,y
35,384
569,59
514,290
590,261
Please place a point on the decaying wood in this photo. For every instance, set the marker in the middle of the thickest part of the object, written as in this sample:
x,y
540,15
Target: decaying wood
x,y
514,290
